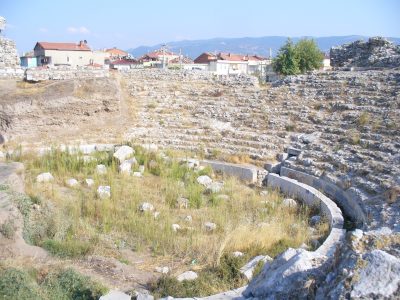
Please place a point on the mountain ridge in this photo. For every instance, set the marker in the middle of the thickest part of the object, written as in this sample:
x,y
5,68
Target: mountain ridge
x,y
246,45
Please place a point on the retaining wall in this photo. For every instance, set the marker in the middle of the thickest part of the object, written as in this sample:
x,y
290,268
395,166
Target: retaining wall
x,y
349,204
9,73
63,73
313,198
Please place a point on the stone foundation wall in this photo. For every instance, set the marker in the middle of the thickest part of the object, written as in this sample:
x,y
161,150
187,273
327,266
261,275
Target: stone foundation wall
x,y
63,73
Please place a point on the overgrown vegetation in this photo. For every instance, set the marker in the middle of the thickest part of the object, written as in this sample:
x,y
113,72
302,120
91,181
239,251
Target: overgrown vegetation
x,y
8,228
74,222
223,277
59,284
298,58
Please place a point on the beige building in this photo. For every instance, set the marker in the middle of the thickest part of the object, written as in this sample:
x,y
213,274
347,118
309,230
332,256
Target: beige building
x,y
68,54
231,64
326,63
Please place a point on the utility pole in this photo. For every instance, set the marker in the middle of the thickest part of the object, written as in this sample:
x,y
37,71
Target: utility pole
x,y
163,56
180,59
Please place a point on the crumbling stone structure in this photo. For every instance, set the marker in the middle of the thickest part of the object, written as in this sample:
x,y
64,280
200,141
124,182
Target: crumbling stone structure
x,y
63,73
9,59
377,52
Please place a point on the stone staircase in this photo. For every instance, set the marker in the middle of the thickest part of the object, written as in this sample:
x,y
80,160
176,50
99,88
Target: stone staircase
x,y
354,116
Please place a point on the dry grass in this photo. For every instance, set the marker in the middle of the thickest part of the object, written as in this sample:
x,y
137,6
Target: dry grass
x,y
26,88
245,221
83,90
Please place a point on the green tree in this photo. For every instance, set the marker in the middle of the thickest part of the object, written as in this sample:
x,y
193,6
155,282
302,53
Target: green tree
x,y
308,54
286,62
298,58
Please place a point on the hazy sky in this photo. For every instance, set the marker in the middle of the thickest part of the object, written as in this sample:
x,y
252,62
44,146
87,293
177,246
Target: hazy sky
x,y
128,24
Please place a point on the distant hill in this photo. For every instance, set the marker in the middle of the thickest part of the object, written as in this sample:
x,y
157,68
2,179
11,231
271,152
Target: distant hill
x,y
246,45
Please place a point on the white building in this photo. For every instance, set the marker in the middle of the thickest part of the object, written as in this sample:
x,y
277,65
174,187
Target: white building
x,y
68,54
228,63
326,63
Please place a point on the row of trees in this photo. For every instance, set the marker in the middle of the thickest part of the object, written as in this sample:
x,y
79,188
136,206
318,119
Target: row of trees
x,y
298,58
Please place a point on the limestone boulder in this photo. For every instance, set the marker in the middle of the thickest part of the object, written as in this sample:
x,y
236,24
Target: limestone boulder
x,y
379,278
188,275
72,182
248,269
146,206
125,167
162,270
209,226
89,182
44,177
287,275
176,227
204,180
123,153
101,169
315,220
289,202
104,191
115,295
215,187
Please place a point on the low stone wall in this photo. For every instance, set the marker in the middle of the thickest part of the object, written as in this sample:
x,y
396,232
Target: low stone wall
x,y
12,73
349,204
247,173
39,74
313,198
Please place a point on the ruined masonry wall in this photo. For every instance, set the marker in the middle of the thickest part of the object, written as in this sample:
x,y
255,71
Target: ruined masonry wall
x,y
63,73
377,52
9,60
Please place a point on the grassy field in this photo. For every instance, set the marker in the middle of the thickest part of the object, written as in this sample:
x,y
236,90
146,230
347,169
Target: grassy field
x,y
74,222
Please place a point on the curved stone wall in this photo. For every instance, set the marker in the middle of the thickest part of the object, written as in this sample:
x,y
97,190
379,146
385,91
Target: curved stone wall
x,y
350,205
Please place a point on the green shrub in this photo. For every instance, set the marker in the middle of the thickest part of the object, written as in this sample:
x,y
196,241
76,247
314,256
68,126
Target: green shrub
x,y
8,229
206,171
195,195
364,119
257,270
18,285
67,284
68,248
279,247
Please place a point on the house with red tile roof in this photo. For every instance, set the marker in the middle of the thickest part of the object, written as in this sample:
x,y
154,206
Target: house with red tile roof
x,y
67,54
115,53
229,63
158,57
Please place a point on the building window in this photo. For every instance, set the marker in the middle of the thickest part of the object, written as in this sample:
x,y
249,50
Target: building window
x,y
67,59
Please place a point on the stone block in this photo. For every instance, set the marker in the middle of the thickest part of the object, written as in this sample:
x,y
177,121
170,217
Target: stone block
x,y
243,172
